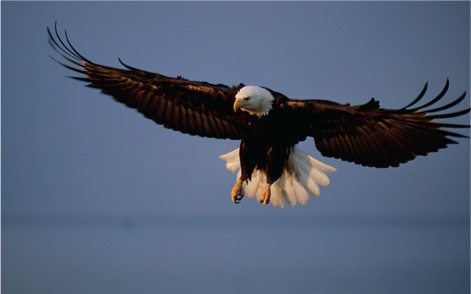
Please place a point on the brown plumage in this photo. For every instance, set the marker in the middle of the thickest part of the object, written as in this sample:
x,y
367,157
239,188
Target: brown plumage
x,y
376,137
364,134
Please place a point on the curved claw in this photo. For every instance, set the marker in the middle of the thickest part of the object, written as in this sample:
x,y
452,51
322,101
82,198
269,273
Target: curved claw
x,y
237,193
237,199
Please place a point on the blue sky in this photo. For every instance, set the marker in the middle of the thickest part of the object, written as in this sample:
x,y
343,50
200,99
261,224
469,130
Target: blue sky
x,y
96,198
68,150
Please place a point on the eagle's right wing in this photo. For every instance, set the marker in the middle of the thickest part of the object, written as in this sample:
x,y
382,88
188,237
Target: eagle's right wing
x,y
195,108
372,136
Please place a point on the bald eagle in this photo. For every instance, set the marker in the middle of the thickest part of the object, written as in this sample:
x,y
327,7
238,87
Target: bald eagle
x,y
269,125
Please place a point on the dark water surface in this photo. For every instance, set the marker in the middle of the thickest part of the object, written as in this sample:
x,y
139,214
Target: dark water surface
x,y
235,255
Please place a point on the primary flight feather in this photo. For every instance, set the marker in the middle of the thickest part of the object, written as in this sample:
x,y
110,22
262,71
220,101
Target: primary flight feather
x,y
269,125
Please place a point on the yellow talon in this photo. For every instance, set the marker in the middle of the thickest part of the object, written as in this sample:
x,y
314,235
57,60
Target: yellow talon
x,y
266,195
237,194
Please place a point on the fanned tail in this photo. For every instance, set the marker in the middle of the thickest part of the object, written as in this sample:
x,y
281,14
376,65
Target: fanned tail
x,y
301,177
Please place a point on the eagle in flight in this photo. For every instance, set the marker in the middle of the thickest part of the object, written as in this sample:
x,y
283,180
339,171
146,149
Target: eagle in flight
x,y
269,125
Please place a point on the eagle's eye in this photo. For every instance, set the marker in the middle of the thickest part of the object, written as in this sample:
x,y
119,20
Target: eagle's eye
x,y
247,98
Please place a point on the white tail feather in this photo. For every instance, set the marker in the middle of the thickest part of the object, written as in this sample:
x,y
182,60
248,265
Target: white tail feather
x,y
301,177
232,160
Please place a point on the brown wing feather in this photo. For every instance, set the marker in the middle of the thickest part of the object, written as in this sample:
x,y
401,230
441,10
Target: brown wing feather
x,y
195,108
371,136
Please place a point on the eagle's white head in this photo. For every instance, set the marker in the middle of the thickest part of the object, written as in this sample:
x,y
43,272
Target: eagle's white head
x,y
254,100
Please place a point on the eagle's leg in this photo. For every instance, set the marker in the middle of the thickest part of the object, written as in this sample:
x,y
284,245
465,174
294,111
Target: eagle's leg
x,y
265,199
237,193
276,160
247,165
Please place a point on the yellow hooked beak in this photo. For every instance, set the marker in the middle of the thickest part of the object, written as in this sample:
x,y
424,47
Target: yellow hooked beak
x,y
236,105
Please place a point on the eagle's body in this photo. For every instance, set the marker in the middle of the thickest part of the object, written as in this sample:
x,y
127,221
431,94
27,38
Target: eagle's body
x,y
269,125
267,151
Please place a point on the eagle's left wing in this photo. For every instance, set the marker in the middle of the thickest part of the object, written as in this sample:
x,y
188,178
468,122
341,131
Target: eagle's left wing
x,y
195,108
372,136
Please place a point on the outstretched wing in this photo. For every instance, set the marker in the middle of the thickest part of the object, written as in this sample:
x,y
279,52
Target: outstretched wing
x,y
195,108
371,136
